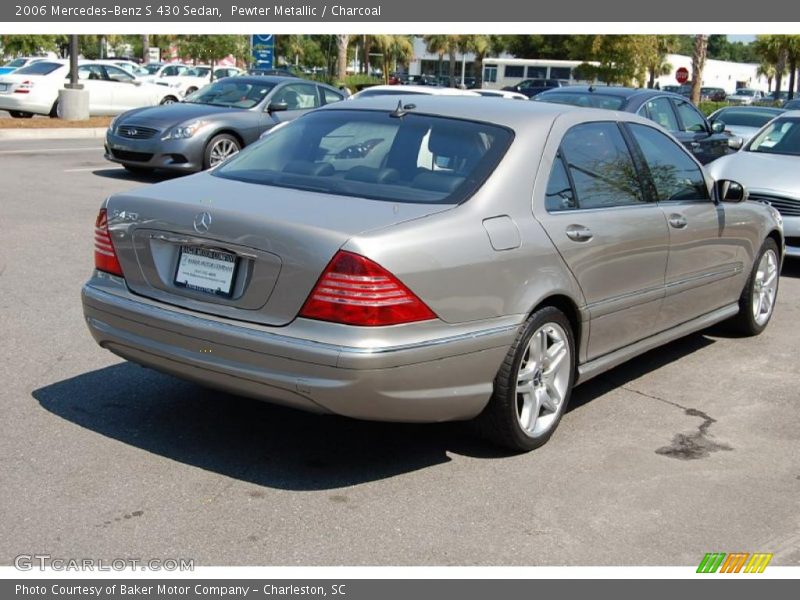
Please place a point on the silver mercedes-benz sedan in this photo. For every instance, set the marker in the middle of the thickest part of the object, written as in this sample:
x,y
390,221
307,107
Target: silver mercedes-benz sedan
x,y
768,165
431,259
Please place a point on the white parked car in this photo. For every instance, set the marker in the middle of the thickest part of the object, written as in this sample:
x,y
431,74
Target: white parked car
x,y
159,72
130,66
411,90
196,77
34,89
18,63
745,96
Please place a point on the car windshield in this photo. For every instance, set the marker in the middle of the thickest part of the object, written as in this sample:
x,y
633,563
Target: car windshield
x,y
747,118
745,92
588,99
17,62
376,155
39,68
231,93
198,72
782,136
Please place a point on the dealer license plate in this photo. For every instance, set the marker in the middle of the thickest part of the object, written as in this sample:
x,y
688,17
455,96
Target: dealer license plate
x,y
206,270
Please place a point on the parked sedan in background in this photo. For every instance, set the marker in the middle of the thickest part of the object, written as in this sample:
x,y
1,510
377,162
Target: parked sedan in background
x,y
34,89
673,112
743,122
196,77
532,87
501,94
212,124
464,258
792,104
745,96
769,165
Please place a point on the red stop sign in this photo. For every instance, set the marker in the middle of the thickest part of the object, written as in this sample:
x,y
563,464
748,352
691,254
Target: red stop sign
x,y
682,75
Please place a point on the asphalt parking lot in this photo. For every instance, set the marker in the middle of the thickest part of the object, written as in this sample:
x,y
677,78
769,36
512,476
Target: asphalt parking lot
x,y
692,448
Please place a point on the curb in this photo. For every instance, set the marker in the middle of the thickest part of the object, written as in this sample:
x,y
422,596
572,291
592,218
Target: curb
x,y
62,133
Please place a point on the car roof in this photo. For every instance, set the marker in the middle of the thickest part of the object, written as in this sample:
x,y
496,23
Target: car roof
x,y
268,78
515,115
428,90
610,90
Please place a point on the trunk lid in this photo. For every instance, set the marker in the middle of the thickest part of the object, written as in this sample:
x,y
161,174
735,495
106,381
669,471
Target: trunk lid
x,y
281,240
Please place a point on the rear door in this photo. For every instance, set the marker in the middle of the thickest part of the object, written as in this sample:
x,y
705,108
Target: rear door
x,y
611,235
695,133
125,92
704,256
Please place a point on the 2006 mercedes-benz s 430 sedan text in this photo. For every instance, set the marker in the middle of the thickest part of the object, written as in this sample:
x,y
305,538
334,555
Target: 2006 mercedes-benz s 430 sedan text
x,y
431,259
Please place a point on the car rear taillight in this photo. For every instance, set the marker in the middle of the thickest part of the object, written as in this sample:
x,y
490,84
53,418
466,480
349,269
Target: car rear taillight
x,y
24,88
105,257
357,291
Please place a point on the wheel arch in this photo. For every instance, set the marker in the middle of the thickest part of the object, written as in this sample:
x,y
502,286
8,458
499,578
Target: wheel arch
x,y
569,307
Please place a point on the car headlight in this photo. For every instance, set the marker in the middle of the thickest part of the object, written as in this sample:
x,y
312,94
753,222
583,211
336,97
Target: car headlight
x,y
182,132
113,124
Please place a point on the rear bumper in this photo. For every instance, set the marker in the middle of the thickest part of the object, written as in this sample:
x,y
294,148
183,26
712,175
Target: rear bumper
x,y
30,103
443,378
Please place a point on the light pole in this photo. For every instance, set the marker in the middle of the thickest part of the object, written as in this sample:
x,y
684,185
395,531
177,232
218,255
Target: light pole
x,y
73,100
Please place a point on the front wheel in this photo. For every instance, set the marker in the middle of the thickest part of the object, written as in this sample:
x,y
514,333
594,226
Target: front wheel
x,y
533,386
220,148
757,302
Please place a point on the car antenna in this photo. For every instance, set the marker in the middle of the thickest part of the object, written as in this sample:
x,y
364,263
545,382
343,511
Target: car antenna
x,y
398,113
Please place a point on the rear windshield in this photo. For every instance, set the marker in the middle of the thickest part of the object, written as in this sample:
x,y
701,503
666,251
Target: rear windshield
x,y
588,99
371,154
747,118
39,68
17,62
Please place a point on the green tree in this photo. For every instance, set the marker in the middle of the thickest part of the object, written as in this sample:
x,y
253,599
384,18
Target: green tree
x,y
15,45
772,50
393,48
482,46
213,48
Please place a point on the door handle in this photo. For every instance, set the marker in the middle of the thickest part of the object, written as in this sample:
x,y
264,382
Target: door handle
x,y
579,233
677,221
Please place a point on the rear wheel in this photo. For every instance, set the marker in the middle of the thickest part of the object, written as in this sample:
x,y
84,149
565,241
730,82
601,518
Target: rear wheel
x,y
54,110
219,148
757,301
191,90
18,114
533,386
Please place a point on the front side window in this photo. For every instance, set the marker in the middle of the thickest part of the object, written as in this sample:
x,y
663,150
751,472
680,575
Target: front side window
x,y
91,73
232,93
370,154
601,167
675,175
692,120
660,111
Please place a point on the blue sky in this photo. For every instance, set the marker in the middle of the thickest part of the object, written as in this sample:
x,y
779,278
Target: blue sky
x,y
741,38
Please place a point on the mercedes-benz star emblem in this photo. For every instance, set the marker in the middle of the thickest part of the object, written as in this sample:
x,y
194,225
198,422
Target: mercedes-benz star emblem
x,y
202,222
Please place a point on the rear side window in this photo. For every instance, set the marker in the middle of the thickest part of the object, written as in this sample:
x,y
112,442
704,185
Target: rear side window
x,y
329,96
600,166
675,175
559,195
370,154
692,120
39,68
297,96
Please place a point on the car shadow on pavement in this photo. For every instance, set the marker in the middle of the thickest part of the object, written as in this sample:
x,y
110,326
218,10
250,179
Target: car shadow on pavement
x,y
246,439
272,446
125,175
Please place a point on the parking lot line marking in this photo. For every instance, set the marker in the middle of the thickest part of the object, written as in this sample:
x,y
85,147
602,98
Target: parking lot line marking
x,y
41,150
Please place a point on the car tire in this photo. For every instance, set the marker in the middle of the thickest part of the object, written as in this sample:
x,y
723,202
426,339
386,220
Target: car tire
x,y
168,100
19,114
757,302
528,401
190,90
54,110
136,170
219,148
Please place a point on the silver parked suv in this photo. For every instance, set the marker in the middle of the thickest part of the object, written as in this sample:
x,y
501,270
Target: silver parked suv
x,y
431,259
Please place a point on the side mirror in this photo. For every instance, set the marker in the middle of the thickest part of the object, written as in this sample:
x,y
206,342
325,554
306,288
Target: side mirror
x,y
730,191
735,142
717,126
277,107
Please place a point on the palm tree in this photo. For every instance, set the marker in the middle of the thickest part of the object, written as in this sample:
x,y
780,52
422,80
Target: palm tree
x,y
394,48
341,56
772,50
482,46
295,48
437,44
767,70
659,47
698,64
793,56
146,48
